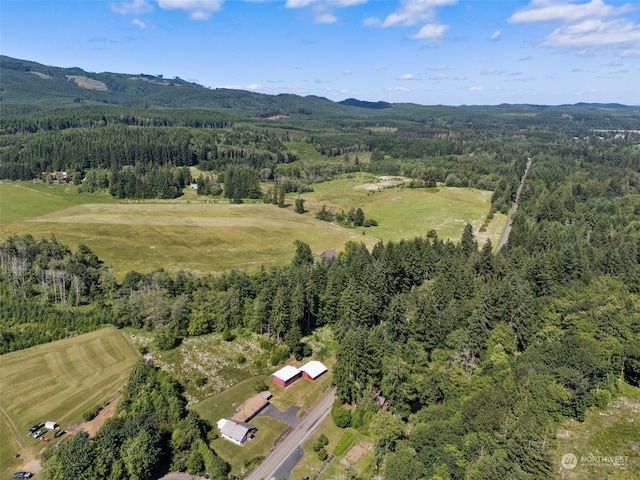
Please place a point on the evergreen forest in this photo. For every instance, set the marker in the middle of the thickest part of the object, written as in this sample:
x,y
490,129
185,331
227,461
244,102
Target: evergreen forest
x,y
480,351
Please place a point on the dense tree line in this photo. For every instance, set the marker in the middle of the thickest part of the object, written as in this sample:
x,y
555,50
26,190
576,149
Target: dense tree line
x,y
151,433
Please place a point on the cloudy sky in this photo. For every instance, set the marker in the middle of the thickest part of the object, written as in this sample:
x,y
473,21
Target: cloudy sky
x,y
449,52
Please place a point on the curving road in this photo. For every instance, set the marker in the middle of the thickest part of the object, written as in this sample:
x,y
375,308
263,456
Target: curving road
x,y
267,469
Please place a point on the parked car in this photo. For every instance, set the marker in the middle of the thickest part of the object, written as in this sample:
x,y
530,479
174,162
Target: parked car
x,y
59,433
22,475
34,428
39,433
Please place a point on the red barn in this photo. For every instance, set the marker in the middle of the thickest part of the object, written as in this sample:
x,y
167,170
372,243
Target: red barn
x,y
313,369
286,376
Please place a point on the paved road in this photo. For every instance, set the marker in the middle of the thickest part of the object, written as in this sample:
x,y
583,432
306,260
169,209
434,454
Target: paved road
x,y
267,469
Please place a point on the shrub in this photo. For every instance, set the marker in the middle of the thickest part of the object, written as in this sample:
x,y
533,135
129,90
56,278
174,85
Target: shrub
x,y
322,454
227,335
279,355
200,380
267,344
260,386
91,413
341,416
320,443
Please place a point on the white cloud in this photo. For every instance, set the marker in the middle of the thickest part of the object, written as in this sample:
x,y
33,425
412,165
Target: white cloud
x,y
399,89
496,35
630,53
134,6
475,89
443,67
581,25
347,72
139,23
415,12
410,12
382,69
438,78
253,86
322,10
198,9
324,17
549,11
491,71
431,32
594,33
409,77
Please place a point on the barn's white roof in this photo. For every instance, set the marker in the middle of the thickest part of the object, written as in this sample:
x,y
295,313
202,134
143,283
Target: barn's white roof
x,y
286,373
313,368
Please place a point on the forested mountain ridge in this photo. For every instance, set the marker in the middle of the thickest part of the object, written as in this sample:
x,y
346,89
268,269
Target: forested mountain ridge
x,y
29,83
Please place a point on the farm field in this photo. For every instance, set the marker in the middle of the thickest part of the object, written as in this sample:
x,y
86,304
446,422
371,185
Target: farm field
x,y
406,212
58,381
203,235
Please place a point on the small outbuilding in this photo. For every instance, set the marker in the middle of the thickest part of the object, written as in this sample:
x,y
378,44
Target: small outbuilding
x,y
235,431
50,425
313,369
286,376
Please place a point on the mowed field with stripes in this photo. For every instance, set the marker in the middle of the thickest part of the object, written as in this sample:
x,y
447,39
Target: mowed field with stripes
x,y
58,381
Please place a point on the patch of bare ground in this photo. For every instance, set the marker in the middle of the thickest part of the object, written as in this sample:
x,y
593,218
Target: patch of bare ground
x,y
88,83
92,426
40,74
356,452
382,182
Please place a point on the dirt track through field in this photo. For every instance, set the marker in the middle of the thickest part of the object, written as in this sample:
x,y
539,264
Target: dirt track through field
x,y
15,434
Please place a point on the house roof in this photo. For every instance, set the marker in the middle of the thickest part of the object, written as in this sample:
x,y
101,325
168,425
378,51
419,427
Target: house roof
x,y
329,255
250,407
286,373
313,368
236,430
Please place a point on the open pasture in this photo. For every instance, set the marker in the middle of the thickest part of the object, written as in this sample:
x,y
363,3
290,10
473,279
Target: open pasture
x,y
58,381
185,234
20,201
203,235
408,212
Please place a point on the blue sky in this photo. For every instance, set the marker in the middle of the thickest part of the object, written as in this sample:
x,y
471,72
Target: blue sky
x,y
450,52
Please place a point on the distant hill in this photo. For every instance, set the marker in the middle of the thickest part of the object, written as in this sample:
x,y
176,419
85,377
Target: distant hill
x,y
26,83
352,102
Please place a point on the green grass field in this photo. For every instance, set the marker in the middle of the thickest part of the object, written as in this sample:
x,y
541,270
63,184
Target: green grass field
x,y
406,213
58,381
203,235
610,434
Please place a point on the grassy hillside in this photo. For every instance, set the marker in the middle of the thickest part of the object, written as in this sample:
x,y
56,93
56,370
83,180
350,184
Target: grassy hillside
x,y
58,381
196,234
